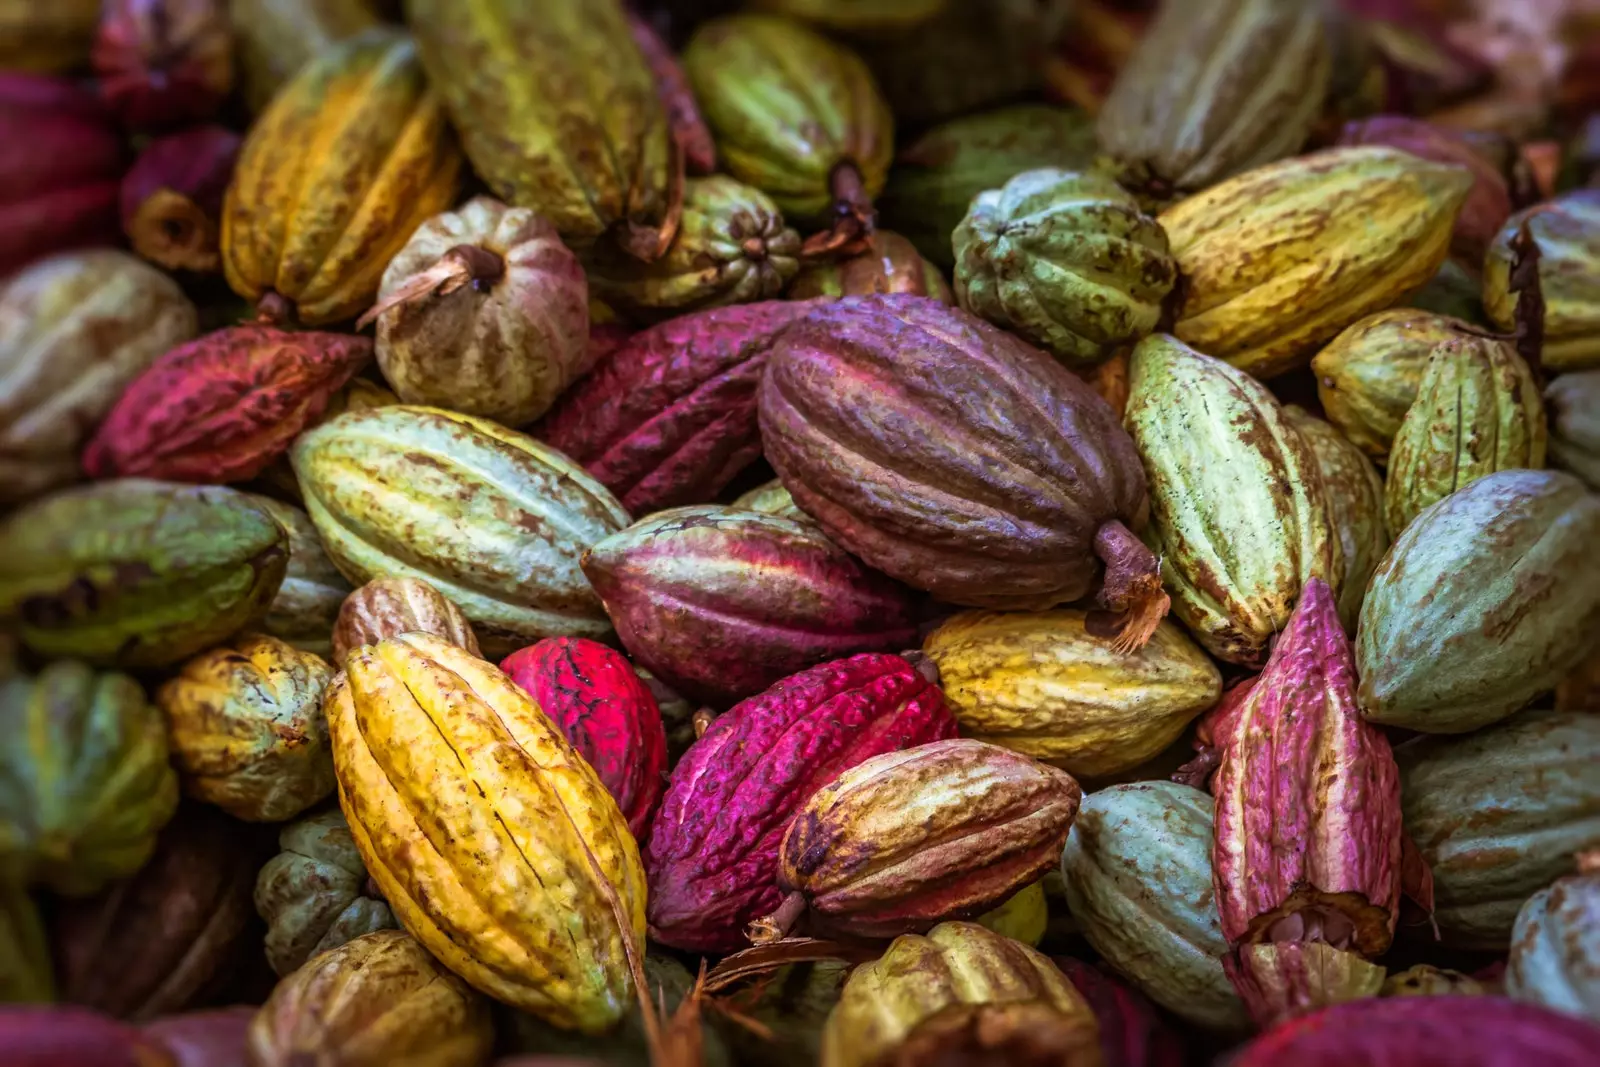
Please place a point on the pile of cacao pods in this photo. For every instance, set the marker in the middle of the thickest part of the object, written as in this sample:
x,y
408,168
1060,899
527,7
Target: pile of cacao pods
x,y
871,533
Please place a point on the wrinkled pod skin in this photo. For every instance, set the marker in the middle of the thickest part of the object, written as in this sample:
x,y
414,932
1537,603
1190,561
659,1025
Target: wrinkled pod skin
x,y
1555,946
389,607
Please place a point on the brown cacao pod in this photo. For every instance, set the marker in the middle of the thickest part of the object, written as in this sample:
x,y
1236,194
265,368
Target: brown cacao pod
x,y
387,607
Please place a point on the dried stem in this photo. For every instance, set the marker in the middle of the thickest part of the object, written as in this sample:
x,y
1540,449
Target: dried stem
x,y
460,265
855,219
650,243
1131,591
775,927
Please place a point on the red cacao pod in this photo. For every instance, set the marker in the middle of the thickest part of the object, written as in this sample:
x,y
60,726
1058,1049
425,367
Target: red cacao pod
x,y
1131,1033
224,406
689,127
669,417
712,857
606,710
172,197
213,1038
74,1037
163,63
59,192
720,603
959,459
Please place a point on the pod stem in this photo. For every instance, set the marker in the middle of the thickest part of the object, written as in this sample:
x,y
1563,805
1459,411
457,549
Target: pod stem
x,y
650,243
274,309
854,218
458,266
776,927
1131,591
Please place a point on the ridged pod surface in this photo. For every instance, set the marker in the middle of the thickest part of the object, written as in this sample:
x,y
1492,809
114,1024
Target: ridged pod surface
x,y
889,264
1489,598
1355,507
1281,258
721,603
1565,231
713,849
351,156
1500,814
389,607
1574,407
308,601
493,519
1239,513
1555,945
75,329
1040,683
494,843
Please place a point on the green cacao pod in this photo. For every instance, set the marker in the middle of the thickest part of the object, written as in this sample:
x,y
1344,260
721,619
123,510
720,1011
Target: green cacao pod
x,y
771,498
1499,815
1489,598
308,601
1478,410
138,573
1574,401
1355,506
1239,515
1137,868
1563,304
490,517
1453,291
1064,260
84,780
25,972
1555,945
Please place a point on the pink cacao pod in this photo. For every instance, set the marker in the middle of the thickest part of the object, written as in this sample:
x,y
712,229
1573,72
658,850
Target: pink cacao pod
x,y
214,1038
74,1037
222,407
949,454
1131,1033
712,858
606,710
689,127
59,192
163,63
670,417
720,603
172,197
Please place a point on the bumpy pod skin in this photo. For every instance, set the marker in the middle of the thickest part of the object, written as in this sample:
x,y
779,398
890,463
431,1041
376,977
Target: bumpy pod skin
x,y
375,1001
248,731
163,63
1478,410
958,459
720,603
493,519
1131,1033
351,157
389,607
1041,684
955,963
1066,261
669,417
486,313
275,38
1566,235
1281,258
1355,507
1555,945
713,848
138,573
1137,869
606,711
1489,598
222,407
171,198
1499,815
307,603
532,120
313,895
1574,409
890,264
86,782
1241,531
981,1034
486,831
908,839
74,330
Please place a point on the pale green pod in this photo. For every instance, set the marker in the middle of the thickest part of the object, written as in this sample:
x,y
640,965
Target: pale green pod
x,y
1555,946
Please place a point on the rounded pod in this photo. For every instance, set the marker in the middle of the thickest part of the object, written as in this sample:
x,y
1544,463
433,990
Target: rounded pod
x,y
1574,402
1555,944
1137,868
75,329
314,895
351,156
90,787
1488,599
1064,260
307,603
248,732
213,1038
389,607
493,519
1565,237
890,264
372,1002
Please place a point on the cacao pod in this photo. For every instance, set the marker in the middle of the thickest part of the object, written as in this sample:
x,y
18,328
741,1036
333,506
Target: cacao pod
x,y
138,573
770,498
1556,942
389,607
1131,1033
485,312
606,711
713,848
890,264
1265,284
74,1037
52,38
75,329
222,407
1042,684
314,895
214,1038
308,601
26,977
1499,814
248,732
275,38
163,63
1453,291
1574,401
88,782
1014,1032
522,890
372,1002
350,157
677,715
1243,529
171,198
901,425
491,518
1489,598
1557,297
1024,916
721,603
1426,980
1138,878
1064,260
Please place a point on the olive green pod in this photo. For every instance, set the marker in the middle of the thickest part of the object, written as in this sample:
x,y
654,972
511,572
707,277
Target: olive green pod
x,y
1574,401
1566,233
